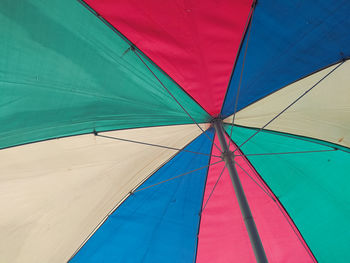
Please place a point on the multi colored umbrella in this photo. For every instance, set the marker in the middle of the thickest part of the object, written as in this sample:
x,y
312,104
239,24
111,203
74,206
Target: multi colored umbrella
x,y
129,128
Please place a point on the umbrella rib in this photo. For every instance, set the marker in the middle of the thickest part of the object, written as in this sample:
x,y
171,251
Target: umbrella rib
x,y
249,25
212,190
182,107
282,153
290,105
175,177
275,200
152,144
300,137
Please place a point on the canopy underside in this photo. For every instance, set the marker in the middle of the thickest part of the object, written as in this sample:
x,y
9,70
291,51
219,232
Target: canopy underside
x,y
106,150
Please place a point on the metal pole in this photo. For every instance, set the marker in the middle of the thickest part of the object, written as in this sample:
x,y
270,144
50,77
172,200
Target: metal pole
x,y
228,157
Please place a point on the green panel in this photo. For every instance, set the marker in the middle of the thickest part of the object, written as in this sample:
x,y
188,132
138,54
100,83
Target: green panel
x,y
64,72
313,187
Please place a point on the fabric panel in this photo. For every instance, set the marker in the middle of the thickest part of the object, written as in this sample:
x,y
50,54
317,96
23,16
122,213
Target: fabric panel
x,y
159,223
223,236
195,42
323,113
313,187
54,193
284,47
64,72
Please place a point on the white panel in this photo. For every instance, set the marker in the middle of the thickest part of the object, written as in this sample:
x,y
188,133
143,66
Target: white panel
x,y
323,113
54,193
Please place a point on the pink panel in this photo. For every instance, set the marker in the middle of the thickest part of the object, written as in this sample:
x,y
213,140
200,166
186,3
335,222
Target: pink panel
x,y
223,236
195,42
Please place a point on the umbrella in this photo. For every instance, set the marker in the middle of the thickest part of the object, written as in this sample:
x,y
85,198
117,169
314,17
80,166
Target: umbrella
x,y
174,131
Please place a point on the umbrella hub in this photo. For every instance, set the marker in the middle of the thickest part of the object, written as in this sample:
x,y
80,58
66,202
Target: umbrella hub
x,y
226,155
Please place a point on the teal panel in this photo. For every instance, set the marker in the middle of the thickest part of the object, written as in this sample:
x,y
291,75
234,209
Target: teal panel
x,y
64,72
313,187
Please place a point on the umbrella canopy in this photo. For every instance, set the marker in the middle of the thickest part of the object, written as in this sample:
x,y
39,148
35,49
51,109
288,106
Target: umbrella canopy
x,y
107,145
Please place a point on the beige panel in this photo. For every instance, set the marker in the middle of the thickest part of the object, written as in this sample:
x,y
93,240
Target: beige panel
x,y
323,113
53,193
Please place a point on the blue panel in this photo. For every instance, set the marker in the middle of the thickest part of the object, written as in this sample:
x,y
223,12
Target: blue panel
x,y
158,224
289,40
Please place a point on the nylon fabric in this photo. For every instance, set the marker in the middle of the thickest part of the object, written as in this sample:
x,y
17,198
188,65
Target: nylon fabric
x,y
195,42
64,72
284,47
159,223
313,187
54,193
323,113
223,236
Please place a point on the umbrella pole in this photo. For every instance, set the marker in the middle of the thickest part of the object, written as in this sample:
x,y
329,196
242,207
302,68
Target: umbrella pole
x,y
228,157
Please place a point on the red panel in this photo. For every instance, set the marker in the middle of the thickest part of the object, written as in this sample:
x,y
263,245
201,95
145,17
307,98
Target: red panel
x,y
195,42
223,236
